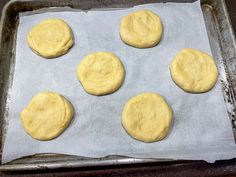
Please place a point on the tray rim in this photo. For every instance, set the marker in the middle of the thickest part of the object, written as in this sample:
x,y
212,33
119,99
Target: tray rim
x,y
13,166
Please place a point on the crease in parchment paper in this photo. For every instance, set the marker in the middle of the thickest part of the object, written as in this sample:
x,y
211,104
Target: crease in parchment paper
x,y
201,127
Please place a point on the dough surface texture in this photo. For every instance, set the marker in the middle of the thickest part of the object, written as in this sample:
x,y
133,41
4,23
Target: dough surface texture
x,y
50,38
194,71
141,29
147,117
46,116
101,73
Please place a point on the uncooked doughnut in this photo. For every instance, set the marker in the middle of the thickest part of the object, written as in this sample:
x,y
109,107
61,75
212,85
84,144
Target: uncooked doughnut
x,y
194,71
101,73
47,115
50,38
147,117
141,29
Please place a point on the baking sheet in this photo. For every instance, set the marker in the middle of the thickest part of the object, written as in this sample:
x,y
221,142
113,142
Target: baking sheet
x,y
201,128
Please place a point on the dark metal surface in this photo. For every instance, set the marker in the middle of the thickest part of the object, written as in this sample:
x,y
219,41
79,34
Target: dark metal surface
x,y
222,43
180,169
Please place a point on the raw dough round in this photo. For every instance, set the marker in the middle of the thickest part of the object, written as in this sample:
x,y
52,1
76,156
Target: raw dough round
x,y
194,71
50,38
147,117
141,29
47,115
101,73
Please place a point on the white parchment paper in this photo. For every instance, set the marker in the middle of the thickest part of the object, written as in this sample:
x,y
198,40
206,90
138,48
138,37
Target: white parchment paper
x,y
201,127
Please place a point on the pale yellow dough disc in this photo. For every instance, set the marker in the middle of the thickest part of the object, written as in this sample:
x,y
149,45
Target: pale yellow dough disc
x,y
47,115
50,38
194,71
147,117
101,73
141,29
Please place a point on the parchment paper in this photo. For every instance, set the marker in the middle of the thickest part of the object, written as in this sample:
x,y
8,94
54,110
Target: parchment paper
x,y
201,127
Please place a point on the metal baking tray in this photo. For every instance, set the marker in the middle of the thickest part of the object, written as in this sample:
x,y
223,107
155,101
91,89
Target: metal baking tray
x,y
222,41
